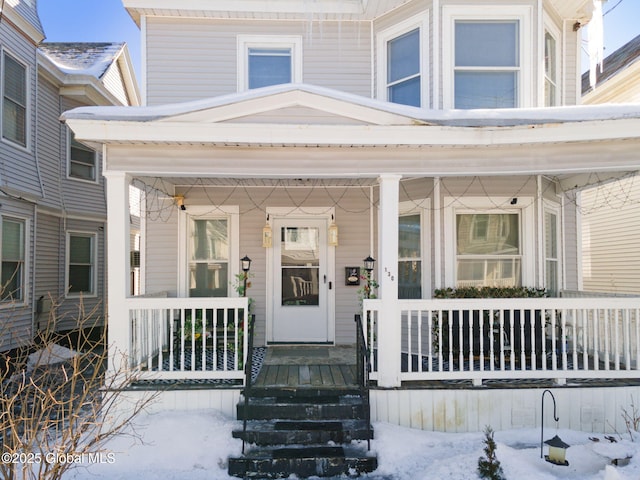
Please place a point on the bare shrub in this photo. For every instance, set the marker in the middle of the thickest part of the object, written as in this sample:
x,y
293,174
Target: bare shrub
x,y
59,406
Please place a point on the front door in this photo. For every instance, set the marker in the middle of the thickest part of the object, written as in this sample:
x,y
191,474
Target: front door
x,y
300,281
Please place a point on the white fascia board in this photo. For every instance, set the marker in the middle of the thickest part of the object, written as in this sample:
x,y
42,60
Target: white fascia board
x,y
350,135
294,98
257,6
20,22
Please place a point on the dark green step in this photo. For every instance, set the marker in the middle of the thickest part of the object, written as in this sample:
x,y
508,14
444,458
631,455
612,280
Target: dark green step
x,y
322,461
304,432
346,407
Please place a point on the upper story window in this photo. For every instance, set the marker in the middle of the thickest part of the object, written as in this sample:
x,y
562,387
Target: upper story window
x,y
551,96
487,64
12,258
268,60
14,100
82,160
487,57
401,62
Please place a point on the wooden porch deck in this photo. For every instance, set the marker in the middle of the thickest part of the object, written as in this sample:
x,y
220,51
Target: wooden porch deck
x,y
308,367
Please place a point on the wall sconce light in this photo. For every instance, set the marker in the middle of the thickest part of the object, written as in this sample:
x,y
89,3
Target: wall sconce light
x,y
333,233
179,199
267,235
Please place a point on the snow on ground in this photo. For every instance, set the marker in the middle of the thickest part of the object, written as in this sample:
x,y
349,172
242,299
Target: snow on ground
x,y
195,445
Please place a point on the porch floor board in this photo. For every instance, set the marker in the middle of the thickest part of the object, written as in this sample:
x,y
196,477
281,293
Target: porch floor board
x,y
302,367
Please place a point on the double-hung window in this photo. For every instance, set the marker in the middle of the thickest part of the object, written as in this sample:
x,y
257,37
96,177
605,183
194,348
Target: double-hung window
x,y
413,246
401,62
488,249
550,70
487,56
14,100
82,160
81,265
552,249
487,64
410,256
13,260
208,257
268,60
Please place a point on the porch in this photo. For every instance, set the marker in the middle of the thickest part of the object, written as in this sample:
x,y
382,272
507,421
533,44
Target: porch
x,y
449,343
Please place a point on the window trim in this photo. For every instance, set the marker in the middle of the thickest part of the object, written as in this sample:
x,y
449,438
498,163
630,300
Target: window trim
x,y
420,21
245,42
555,209
552,30
25,265
421,207
525,207
208,212
70,137
94,263
521,13
27,116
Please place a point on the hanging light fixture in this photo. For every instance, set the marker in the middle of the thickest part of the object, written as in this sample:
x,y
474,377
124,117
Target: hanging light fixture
x,y
333,233
267,234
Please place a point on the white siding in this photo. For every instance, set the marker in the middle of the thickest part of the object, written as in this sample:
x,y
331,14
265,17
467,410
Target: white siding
x,y
16,318
17,164
114,82
611,237
193,59
466,410
352,220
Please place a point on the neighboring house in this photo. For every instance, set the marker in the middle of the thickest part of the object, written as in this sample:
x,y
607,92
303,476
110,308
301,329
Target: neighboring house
x,y
310,135
609,212
53,212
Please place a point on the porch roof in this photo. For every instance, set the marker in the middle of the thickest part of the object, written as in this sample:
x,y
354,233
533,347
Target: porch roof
x,y
293,130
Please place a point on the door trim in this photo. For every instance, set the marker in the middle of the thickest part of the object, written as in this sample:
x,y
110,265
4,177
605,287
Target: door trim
x,y
313,213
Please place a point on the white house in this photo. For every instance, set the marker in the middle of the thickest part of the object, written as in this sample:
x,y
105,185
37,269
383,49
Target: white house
x,y
440,137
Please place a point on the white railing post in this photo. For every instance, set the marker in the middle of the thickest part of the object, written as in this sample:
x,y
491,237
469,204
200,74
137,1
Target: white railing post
x,y
390,326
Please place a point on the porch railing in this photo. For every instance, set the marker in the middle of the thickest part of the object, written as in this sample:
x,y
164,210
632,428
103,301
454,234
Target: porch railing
x,y
476,339
188,338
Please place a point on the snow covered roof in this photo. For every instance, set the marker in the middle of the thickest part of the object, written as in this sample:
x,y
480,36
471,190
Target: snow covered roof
x,y
397,114
615,63
82,58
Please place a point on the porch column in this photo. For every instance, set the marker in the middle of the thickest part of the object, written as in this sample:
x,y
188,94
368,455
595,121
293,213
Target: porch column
x,y
118,246
389,322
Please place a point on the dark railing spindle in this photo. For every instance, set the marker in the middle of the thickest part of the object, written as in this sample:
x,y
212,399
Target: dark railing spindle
x,y
248,366
364,367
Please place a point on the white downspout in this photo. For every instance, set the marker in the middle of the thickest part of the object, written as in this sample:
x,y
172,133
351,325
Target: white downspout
x,y
437,234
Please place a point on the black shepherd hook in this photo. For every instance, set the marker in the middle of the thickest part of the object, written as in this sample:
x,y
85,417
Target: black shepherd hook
x,y
555,417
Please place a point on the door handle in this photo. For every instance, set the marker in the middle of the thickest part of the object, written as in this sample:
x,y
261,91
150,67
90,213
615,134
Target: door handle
x,y
325,278
330,285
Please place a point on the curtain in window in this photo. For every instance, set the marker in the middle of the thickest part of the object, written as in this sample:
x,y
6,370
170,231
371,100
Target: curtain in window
x,y
486,64
14,120
270,66
410,257
209,258
12,259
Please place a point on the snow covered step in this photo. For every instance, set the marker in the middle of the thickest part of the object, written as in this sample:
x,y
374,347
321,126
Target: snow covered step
x,y
306,432
307,461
